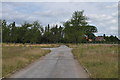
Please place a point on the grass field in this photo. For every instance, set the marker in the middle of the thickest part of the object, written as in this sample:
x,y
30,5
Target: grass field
x,y
17,56
101,61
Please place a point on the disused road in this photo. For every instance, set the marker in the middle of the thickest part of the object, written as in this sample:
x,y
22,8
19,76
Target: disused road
x,y
60,63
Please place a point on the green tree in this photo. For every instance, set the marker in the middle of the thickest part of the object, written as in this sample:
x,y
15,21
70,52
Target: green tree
x,y
57,33
5,32
73,30
36,31
89,31
61,33
77,27
13,32
47,36
24,35
0,30
112,39
53,35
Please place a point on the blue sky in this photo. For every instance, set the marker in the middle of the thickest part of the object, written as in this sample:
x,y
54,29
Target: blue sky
x,y
103,15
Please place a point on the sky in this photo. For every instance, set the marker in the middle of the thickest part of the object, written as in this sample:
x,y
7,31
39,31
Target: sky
x,y
103,15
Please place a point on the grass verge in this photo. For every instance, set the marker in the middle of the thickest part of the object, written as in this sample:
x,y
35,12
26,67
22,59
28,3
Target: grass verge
x,y
17,57
100,60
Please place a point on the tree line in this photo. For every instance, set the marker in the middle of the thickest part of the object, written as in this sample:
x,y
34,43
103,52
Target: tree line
x,y
111,39
75,30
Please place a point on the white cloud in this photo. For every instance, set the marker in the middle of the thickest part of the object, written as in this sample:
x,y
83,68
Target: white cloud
x,y
114,28
112,6
114,21
106,24
100,17
115,13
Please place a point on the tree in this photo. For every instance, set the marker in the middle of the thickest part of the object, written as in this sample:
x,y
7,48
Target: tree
x,y
111,39
13,32
53,35
61,33
77,27
0,30
56,33
5,31
36,29
47,36
24,35
89,31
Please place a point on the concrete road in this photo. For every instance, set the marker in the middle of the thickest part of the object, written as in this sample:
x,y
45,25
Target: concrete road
x,y
60,63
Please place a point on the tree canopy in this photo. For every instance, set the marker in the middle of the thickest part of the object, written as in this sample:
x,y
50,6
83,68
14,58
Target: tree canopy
x,y
77,28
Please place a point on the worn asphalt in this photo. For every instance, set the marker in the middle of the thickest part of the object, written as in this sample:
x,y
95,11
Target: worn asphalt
x,y
59,63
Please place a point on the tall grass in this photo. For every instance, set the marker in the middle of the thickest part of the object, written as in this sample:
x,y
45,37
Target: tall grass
x,y
100,60
17,57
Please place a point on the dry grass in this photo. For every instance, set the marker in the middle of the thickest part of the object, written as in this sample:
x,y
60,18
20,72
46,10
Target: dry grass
x,y
16,57
32,45
101,60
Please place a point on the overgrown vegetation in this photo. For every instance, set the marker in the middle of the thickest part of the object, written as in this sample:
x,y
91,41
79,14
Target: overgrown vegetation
x,y
100,60
17,57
